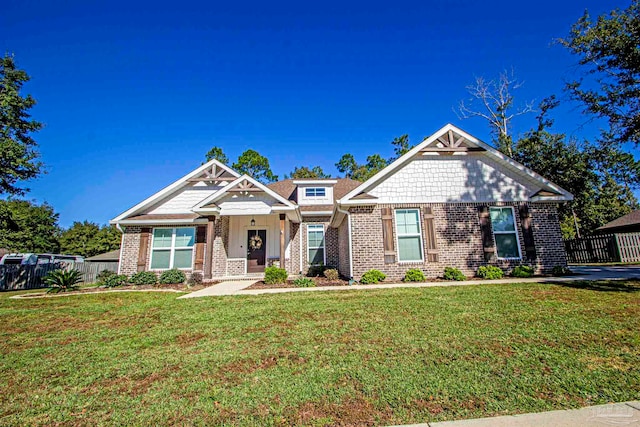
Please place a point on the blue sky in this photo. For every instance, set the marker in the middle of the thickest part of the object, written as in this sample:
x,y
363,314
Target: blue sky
x,y
133,94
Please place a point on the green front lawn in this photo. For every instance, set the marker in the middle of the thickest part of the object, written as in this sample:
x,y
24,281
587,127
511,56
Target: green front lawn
x,y
350,357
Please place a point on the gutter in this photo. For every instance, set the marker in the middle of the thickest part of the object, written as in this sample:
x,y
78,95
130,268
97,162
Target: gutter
x,y
350,243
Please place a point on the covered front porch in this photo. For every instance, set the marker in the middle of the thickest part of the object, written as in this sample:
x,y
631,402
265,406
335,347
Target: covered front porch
x,y
249,244
248,229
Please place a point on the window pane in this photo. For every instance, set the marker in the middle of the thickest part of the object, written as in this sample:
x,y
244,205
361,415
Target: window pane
x,y
502,219
160,259
316,256
315,236
409,248
185,237
507,245
182,258
162,237
407,222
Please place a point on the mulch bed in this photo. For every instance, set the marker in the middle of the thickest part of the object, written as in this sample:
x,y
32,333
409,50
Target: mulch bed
x,y
320,282
176,287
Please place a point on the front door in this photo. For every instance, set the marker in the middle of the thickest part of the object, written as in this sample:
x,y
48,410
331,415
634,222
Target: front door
x,y
256,250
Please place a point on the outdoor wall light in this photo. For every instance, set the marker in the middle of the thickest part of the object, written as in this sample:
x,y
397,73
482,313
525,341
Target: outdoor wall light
x,y
253,222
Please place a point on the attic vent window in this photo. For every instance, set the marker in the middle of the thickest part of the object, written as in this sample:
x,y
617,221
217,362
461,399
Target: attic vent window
x,y
315,192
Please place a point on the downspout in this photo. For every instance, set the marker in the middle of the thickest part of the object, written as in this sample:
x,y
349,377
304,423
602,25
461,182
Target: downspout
x,y
121,230
300,246
348,231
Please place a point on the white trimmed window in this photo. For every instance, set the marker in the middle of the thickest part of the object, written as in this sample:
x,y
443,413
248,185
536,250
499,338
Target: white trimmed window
x,y
315,244
504,232
315,192
409,235
172,248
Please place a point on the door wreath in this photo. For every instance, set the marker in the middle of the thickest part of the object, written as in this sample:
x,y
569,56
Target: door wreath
x,y
255,243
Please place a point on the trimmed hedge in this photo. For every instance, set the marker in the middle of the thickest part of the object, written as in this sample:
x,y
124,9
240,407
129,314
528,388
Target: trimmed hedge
x,y
414,275
372,276
490,272
451,273
144,278
275,275
522,271
172,277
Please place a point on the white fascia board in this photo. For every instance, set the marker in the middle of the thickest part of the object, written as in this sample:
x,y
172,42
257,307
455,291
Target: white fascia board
x,y
499,157
316,213
162,221
316,182
215,196
170,188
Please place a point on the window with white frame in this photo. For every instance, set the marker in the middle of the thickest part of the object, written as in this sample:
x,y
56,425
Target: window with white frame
x,y
315,192
505,232
315,244
409,235
172,247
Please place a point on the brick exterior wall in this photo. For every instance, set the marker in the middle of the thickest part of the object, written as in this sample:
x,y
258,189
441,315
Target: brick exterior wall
x,y
220,247
343,248
459,240
293,266
129,252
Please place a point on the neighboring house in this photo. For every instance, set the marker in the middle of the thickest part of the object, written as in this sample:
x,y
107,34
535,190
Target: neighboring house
x,y
111,256
450,201
630,223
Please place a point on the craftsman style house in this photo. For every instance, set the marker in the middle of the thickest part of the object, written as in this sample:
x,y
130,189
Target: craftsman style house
x,y
450,201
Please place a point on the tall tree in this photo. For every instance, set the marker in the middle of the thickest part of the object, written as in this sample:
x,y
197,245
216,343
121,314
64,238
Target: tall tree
x,y
76,240
218,154
496,107
304,172
19,160
255,165
401,146
609,53
27,227
108,238
347,165
582,169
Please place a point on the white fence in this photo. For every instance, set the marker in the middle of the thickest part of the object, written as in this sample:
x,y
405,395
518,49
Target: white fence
x,y
629,247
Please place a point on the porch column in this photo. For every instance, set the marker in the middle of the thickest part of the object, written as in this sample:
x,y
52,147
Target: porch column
x,y
282,248
208,259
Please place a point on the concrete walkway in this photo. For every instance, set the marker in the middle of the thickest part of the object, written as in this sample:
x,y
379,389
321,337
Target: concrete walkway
x,y
238,287
625,414
230,287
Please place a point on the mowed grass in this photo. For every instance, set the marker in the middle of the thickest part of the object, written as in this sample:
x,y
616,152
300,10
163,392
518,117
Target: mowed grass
x,y
323,358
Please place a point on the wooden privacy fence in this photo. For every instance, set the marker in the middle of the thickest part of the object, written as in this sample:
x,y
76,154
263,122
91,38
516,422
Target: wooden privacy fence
x,y
623,247
18,277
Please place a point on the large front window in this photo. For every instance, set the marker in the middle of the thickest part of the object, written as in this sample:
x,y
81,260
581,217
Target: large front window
x,y
409,235
315,244
504,232
172,247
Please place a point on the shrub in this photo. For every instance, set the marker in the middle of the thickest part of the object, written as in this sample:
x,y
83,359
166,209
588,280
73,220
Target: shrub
x,y
451,273
316,270
331,274
195,279
62,280
522,271
116,280
490,272
144,278
560,270
372,276
414,275
304,282
172,277
275,275
104,275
